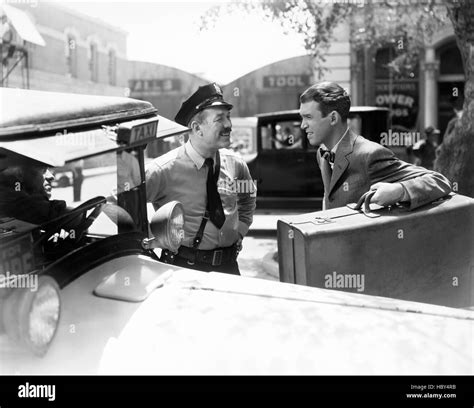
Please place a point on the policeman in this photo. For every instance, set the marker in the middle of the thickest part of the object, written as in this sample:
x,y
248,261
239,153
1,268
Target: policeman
x,y
213,184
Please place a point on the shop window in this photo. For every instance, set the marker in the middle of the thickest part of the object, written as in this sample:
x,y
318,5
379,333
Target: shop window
x,y
390,62
382,59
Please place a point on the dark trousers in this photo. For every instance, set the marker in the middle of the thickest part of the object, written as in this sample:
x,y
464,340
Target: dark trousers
x,y
229,267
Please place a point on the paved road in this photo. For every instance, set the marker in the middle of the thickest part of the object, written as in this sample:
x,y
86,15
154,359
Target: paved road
x,y
252,260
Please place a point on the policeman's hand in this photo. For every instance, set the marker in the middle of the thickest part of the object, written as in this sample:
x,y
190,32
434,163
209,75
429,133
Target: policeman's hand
x,y
238,243
387,193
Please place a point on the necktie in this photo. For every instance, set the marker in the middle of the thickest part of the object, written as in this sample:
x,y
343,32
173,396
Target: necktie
x,y
327,155
326,170
214,203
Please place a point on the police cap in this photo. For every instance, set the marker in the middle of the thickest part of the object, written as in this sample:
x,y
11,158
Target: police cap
x,y
207,96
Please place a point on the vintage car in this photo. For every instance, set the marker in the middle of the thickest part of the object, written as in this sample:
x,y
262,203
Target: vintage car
x,y
284,164
102,303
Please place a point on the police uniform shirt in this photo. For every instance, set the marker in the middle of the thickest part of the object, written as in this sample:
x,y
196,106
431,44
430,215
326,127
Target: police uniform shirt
x,y
181,175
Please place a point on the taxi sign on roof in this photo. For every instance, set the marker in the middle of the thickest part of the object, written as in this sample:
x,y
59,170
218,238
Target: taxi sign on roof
x,y
137,131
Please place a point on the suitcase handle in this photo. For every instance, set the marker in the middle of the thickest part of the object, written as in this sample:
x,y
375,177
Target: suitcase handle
x,y
365,200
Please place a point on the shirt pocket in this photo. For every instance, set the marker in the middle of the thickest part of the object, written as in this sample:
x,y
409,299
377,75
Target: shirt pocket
x,y
228,196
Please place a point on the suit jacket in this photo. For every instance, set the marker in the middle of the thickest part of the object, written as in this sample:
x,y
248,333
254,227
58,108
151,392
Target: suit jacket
x,y
359,163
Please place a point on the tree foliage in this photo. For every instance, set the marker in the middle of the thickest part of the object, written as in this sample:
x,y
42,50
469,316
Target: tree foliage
x,y
456,157
373,23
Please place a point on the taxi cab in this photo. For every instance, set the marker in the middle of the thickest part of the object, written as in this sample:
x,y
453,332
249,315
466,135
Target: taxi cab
x,y
106,305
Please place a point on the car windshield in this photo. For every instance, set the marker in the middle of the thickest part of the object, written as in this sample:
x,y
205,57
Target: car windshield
x,y
89,199
114,176
284,135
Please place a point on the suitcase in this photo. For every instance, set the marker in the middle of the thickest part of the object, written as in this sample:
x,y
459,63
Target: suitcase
x,y
425,255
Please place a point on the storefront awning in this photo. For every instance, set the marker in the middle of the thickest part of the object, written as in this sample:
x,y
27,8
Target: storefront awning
x,y
23,25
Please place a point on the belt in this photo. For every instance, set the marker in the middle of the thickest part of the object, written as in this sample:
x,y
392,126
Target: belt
x,y
214,257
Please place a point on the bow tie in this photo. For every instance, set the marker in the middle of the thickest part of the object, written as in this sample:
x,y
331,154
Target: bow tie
x,y
327,154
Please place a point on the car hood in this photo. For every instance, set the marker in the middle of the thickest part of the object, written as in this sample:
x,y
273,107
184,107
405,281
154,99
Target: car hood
x,y
199,323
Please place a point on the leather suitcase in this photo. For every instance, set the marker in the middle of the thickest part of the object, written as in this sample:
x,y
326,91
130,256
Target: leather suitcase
x,y
425,255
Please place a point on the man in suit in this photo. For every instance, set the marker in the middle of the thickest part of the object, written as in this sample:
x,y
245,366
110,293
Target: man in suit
x,y
352,165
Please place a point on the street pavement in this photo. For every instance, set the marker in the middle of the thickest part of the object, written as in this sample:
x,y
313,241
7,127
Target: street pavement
x,y
253,259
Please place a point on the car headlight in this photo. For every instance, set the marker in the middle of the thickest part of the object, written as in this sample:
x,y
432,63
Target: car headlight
x,y
167,227
31,315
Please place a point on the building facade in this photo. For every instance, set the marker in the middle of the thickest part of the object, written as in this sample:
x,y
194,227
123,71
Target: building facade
x,y
420,96
278,86
80,54
165,87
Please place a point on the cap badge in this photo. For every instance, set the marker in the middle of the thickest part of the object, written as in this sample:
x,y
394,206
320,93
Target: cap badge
x,y
218,89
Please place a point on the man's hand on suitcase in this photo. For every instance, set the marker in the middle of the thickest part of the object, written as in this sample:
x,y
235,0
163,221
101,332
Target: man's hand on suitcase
x,y
387,193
